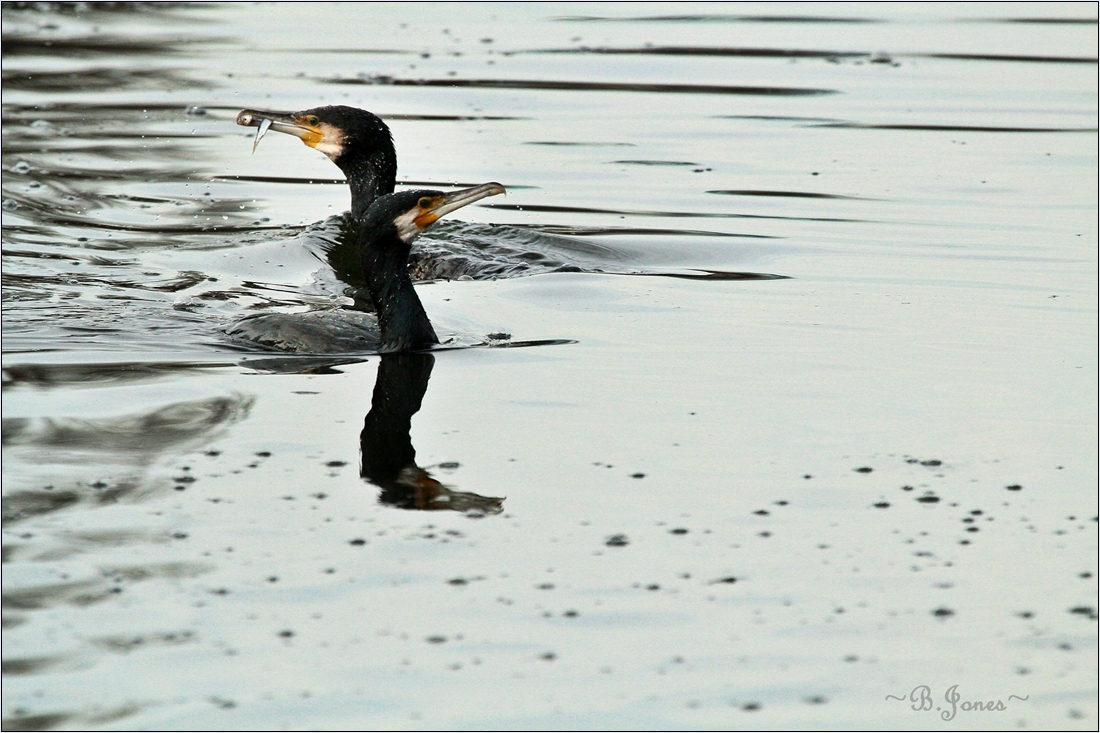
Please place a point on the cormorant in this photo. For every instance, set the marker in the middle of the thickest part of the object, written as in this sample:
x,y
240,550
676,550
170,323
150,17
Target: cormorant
x,y
384,237
386,234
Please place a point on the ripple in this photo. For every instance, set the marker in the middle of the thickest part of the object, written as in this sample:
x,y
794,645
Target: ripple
x,y
586,86
669,214
716,18
149,433
714,275
787,194
603,231
951,128
98,80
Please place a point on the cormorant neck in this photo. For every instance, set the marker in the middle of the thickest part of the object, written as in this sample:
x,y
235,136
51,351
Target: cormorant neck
x,y
369,176
401,317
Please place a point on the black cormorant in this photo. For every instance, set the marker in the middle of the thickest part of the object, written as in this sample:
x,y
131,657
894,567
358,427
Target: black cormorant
x,y
384,236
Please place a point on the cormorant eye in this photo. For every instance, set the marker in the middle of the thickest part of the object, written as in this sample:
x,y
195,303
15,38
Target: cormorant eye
x,y
313,121
425,203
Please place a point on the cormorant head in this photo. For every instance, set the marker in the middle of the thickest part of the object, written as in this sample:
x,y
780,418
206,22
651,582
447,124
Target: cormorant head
x,y
354,139
386,233
411,212
335,131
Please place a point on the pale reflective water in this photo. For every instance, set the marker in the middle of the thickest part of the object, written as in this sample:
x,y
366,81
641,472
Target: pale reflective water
x,y
812,424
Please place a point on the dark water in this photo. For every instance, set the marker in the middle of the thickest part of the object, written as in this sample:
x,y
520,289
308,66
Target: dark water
x,y
802,415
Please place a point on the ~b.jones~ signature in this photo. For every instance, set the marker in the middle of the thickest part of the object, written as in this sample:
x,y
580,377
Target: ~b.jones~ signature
x,y
922,701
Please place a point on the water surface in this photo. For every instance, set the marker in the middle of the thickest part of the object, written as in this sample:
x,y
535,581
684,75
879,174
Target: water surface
x,y
810,425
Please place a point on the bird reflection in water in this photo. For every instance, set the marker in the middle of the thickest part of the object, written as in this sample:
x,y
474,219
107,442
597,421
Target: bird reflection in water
x,y
388,459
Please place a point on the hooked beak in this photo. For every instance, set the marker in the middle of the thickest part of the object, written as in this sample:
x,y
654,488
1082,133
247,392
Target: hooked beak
x,y
279,122
442,205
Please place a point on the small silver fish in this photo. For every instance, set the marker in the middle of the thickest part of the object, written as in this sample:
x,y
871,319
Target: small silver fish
x,y
260,130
